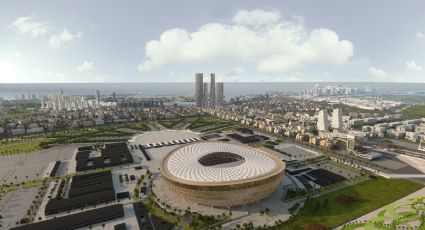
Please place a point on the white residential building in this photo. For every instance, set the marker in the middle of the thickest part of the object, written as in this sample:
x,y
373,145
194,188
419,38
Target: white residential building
x,y
323,122
337,120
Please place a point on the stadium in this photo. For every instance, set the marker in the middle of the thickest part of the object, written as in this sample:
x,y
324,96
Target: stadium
x,y
221,174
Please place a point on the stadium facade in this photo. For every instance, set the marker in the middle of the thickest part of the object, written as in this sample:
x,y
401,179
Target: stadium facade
x,y
221,174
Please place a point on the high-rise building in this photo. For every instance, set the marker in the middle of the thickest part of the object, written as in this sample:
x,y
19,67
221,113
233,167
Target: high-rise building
x,y
97,97
114,97
219,94
199,82
61,91
322,122
337,119
212,91
205,96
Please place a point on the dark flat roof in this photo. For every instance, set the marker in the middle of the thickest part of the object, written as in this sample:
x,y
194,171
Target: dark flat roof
x,y
121,226
91,183
77,220
111,155
85,190
56,206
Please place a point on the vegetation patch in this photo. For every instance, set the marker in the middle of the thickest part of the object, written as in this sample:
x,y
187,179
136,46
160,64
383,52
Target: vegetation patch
x,y
169,124
18,146
140,126
414,112
374,194
347,200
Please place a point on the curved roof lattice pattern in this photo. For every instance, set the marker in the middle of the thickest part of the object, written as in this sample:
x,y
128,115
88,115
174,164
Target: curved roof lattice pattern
x,y
184,163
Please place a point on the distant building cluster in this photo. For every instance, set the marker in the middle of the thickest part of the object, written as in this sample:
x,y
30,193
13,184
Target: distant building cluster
x,y
392,125
62,102
31,96
369,103
204,98
329,90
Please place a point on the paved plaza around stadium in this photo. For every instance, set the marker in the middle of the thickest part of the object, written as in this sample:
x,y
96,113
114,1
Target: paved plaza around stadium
x,y
296,152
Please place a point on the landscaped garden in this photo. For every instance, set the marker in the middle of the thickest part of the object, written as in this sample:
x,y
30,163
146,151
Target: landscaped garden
x,y
169,124
403,215
338,207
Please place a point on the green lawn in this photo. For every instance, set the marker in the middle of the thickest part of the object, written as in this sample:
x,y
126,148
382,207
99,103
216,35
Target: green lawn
x,y
140,126
169,124
208,124
373,194
414,111
21,146
17,114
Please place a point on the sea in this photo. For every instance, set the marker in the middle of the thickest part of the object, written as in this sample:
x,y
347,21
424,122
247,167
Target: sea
x,y
231,89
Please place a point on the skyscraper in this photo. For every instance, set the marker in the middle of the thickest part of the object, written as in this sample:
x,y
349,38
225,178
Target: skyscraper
x,y
114,97
97,97
205,95
199,78
219,96
212,90
322,122
337,119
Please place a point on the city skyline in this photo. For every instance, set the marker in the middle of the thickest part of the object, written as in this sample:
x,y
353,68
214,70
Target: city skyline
x,y
203,97
271,41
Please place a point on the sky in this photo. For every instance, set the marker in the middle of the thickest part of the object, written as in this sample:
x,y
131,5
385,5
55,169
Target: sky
x,y
56,41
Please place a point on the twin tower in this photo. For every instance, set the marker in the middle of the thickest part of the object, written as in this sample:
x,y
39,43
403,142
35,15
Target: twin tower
x,y
215,96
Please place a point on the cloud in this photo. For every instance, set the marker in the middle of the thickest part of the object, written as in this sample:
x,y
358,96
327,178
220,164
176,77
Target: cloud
x,y
256,17
27,25
378,73
65,36
412,66
257,37
420,35
85,66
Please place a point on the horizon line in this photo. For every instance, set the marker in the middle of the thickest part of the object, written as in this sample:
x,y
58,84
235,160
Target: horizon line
x,y
185,82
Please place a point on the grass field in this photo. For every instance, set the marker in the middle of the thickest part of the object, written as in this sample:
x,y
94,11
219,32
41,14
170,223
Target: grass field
x,y
372,194
169,124
21,146
414,111
19,114
208,124
140,126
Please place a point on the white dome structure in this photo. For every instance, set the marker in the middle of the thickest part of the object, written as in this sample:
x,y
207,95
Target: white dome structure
x,y
222,173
